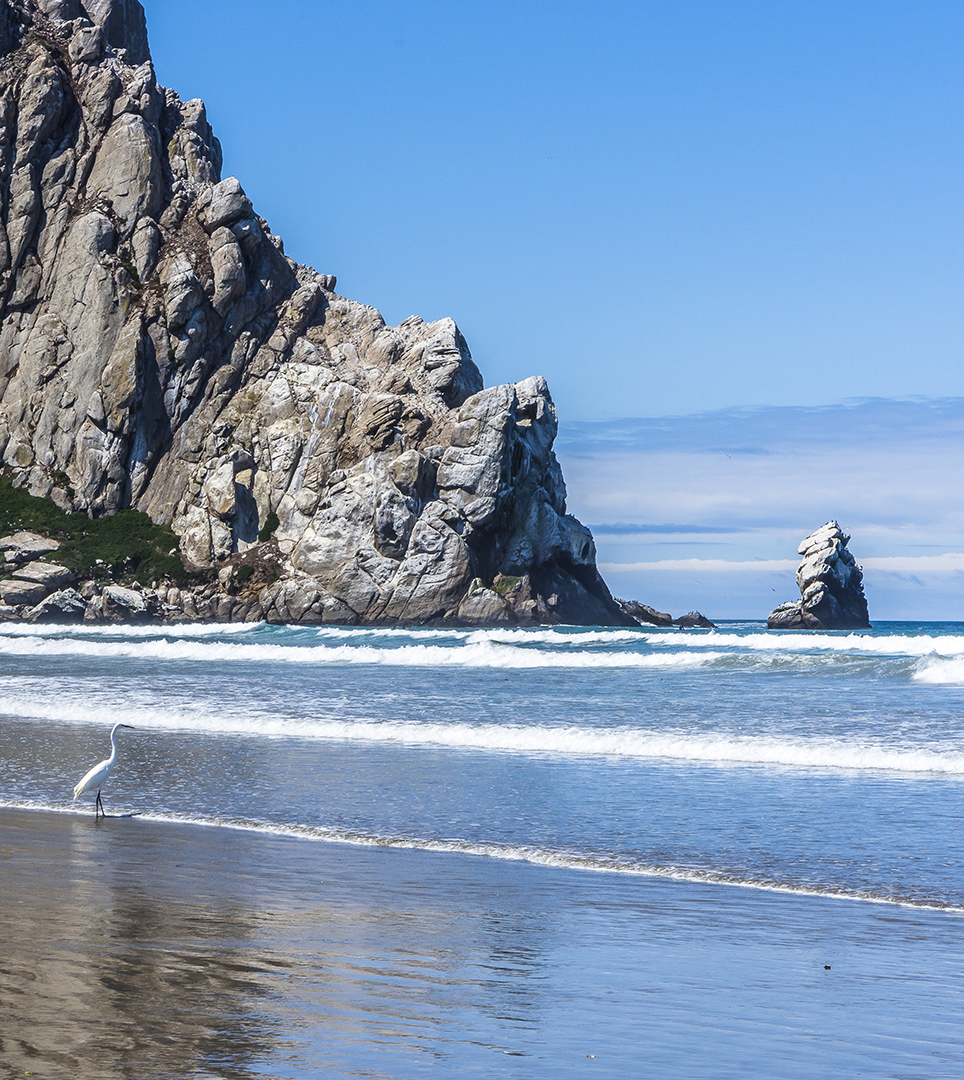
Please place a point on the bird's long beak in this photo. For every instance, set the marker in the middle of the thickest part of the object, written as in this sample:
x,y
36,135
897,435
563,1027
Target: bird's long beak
x,y
130,727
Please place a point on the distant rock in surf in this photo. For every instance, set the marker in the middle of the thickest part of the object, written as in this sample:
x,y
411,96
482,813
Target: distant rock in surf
x,y
643,613
694,618
831,587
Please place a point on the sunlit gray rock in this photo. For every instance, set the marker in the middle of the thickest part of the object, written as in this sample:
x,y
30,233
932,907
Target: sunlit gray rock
x,y
158,350
21,547
831,587
64,606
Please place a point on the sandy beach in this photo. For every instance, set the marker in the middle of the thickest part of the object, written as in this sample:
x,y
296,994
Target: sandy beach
x,y
149,949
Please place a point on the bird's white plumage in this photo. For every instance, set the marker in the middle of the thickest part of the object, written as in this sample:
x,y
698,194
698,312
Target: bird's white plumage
x,y
94,779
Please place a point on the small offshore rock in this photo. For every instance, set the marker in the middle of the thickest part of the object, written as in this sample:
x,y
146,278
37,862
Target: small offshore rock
x,y
831,587
694,618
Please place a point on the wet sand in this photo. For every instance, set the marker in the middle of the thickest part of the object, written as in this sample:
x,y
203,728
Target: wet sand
x,y
135,948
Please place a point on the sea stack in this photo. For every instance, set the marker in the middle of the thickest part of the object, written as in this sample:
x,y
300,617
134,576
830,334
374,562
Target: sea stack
x,y
831,587
159,351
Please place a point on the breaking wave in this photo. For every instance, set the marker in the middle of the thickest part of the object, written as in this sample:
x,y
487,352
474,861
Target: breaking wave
x,y
936,659
939,671
481,653
853,644
620,743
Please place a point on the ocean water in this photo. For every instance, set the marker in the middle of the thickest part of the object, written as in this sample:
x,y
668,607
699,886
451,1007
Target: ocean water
x,y
744,846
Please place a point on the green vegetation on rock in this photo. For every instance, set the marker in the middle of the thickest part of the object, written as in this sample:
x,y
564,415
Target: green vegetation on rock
x,y
127,545
505,583
271,523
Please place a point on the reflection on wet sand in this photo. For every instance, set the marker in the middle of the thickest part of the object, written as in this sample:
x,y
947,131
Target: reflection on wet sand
x,y
145,950
108,972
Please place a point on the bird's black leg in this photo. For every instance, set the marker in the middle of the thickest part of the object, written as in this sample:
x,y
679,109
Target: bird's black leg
x,y
98,805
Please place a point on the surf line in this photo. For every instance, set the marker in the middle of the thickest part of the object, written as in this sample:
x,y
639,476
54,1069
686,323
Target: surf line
x,y
555,860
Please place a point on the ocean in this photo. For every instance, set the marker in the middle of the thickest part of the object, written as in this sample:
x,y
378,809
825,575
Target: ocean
x,y
531,852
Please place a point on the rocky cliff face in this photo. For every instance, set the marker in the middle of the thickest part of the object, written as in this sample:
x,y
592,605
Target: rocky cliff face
x,y
831,587
159,351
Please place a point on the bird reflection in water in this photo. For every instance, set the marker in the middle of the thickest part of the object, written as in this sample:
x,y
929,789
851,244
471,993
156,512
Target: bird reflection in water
x,y
113,967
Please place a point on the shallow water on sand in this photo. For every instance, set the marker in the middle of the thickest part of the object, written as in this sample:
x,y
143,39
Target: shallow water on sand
x,y
490,852
156,950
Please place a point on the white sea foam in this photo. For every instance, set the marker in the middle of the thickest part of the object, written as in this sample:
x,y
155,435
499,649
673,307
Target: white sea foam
x,y
939,671
519,636
85,630
479,654
629,743
500,647
346,633
535,856
856,644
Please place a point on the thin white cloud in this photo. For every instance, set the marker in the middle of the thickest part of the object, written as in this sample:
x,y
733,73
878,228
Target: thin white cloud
x,y
701,566
949,562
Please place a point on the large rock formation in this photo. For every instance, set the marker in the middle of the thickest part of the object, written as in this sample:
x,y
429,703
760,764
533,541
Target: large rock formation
x,y
831,587
159,351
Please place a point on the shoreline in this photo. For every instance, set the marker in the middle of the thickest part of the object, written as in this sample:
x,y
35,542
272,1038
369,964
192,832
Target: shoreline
x,y
530,857
167,951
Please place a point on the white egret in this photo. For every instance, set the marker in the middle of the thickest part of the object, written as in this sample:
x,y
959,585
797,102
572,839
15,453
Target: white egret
x,y
97,776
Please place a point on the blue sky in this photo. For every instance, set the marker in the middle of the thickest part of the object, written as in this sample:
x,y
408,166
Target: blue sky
x,y
671,210
706,511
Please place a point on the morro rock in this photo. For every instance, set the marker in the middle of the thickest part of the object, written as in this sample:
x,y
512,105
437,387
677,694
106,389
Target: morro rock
x,y
831,587
159,351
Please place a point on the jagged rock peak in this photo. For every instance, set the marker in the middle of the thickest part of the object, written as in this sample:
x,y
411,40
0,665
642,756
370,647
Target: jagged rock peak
x,y
117,25
158,350
831,587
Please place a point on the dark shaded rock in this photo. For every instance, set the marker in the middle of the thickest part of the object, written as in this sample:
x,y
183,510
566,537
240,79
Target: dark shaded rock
x,y
577,595
694,618
643,613
124,24
831,584
8,29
